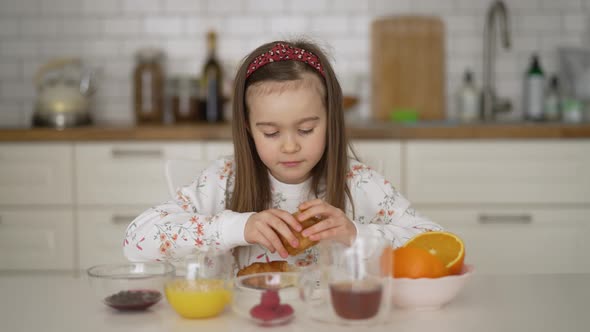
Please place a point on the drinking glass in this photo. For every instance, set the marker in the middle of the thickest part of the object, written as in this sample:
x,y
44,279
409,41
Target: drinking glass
x,y
351,285
202,287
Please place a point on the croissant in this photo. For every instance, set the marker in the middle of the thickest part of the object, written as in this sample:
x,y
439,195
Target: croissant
x,y
261,281
304,242
274,266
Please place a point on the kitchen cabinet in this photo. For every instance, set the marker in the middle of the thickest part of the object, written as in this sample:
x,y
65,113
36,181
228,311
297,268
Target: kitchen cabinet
x,y
126,173
520,206
101,232
502,172
217,149
37,239
506,240
384,156
36,207
36,174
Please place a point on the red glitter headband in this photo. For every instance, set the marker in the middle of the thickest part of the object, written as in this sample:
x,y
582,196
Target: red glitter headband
x,y
283,52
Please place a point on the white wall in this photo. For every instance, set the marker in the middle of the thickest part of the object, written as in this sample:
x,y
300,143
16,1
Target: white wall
x,y
106,34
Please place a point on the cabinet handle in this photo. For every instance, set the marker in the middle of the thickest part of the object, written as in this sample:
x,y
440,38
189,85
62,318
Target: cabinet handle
x,y
505,219
123,153
119,219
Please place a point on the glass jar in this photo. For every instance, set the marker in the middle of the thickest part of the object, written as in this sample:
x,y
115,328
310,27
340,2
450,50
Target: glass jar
x,y
184,99
148,86
202,286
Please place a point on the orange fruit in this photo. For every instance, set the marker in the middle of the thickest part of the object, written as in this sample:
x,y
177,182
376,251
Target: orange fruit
x,y
447,247
416,263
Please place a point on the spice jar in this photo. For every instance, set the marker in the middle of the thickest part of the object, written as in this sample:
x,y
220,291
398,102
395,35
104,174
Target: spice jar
x,y
184,99
148,84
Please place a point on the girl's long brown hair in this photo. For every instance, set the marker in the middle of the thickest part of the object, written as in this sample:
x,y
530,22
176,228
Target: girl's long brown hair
x,y
252,185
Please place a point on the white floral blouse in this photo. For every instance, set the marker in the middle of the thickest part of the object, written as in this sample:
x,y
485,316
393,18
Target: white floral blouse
x,y
198,219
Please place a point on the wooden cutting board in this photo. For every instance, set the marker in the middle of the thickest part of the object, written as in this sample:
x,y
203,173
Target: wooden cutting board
x,y
408,66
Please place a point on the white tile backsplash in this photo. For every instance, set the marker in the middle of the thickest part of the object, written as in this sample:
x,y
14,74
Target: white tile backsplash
x,y
61,7
224,7
246,25
16,90
141,6
107,48
308,6
531,24
107,33
60,48
265,6
87,27
330,25
39,28
288,24
103,7
9,27
562,4
163,26
11,115
183,6
9,70
432,7
575,23
116,27
347,6
20,7
19,48
388,7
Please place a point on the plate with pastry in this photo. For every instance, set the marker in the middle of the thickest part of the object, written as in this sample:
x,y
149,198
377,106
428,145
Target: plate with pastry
x,y
259,272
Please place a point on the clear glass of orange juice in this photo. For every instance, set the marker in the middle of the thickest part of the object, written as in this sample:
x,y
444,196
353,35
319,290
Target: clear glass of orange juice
x,y
202,286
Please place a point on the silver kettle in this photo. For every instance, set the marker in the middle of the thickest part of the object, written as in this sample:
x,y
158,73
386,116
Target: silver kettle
x,y
64,89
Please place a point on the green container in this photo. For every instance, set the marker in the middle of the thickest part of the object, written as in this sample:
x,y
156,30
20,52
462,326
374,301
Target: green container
x,y
403,115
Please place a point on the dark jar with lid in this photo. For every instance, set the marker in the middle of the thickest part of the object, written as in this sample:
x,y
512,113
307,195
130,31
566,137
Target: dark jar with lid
x,y
148,86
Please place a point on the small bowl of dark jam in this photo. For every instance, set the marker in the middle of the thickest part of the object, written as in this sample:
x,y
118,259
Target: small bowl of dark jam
x,y
130,286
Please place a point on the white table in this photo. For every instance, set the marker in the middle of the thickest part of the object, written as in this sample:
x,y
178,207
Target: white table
x,y
63,303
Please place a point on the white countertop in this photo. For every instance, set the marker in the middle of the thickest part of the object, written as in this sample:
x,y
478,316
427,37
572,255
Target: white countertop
x,y
62,303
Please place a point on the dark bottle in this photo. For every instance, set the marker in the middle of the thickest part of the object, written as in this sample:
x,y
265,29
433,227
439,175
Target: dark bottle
x,y
211,82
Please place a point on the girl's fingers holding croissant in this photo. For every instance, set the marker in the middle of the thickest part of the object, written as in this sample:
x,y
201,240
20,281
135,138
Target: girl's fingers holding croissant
x,y
306,205
261,240
331,233
319,227
323,210
281,227
287,218
272,237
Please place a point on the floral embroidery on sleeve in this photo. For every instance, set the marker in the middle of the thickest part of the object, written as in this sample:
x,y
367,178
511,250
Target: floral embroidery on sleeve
x,y
359,174
169,234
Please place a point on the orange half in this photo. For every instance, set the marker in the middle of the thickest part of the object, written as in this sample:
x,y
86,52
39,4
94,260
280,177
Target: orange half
x,y
447,247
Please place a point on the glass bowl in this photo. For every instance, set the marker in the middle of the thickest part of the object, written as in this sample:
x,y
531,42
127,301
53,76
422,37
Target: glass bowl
x,y
429,293
268,298
130,286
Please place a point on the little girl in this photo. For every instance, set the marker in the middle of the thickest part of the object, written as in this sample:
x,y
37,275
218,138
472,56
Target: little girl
x,y
290,154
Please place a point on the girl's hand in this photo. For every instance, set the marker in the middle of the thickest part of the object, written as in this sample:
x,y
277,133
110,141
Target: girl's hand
x,y
262,228
335,224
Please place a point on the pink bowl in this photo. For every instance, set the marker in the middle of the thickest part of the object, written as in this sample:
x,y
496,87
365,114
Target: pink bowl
x,y
429,293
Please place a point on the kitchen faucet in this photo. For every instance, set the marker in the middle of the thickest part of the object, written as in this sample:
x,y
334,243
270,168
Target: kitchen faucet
x,y
490,103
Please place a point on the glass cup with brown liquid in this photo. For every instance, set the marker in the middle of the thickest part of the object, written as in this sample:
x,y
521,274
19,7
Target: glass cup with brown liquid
x,y
350,285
